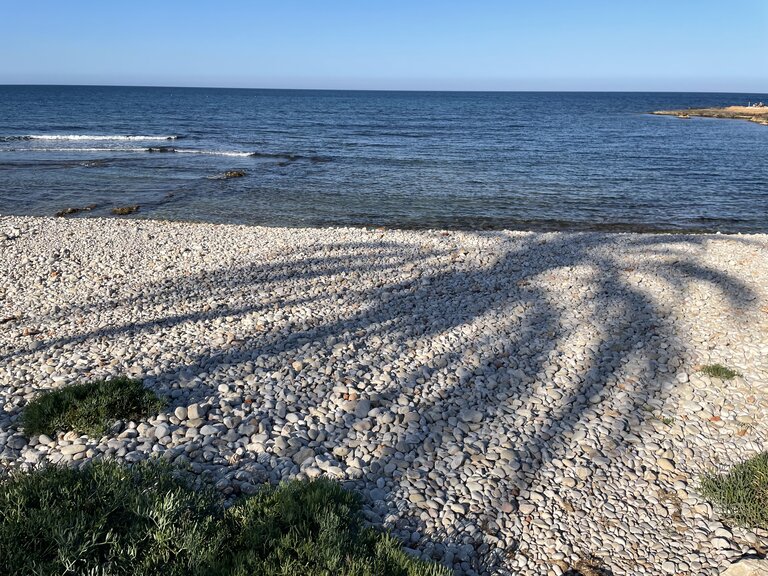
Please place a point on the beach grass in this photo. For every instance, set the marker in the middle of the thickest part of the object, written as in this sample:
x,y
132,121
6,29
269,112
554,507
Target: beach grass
x,y
106,518
719,371
741,493
89,408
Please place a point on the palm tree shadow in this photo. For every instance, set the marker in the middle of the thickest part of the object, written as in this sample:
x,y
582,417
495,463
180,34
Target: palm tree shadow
x,y
474,350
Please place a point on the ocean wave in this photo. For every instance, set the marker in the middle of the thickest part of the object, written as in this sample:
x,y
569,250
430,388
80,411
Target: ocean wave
x,y
212,152
289,157
285,157
272,155
91,149
133,149
88,137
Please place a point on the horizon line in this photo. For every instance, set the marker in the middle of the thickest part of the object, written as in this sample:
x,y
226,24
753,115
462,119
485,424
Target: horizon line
x,y
3,85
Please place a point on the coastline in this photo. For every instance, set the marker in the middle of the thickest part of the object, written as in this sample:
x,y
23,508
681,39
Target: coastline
x,y
753,114
486,392
476,225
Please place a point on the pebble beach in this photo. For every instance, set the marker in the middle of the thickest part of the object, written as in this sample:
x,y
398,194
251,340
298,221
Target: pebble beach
x,y
504,402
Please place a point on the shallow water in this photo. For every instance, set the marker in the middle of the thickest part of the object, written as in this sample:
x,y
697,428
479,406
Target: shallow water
x,y
400,159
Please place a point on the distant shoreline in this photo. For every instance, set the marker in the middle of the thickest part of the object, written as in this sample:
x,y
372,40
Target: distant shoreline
x,y
751,113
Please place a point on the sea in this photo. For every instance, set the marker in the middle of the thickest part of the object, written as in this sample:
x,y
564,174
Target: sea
x,y
448,160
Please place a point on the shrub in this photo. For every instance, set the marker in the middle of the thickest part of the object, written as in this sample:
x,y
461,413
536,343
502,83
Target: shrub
x,y
144,520
719,371
89,408
313,528
742,493
105,519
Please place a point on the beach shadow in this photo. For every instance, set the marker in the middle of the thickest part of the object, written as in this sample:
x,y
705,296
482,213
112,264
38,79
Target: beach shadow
x,y
445,386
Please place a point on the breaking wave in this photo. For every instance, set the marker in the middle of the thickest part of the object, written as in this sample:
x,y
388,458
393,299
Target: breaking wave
x,y
112,143
87,137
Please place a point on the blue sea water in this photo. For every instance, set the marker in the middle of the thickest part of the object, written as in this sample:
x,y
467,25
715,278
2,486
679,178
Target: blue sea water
x,y
397,159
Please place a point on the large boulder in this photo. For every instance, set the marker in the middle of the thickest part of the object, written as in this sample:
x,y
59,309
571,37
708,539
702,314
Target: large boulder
x,y
747,568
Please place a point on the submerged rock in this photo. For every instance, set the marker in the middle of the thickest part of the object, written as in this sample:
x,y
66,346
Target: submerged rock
x,y
124,210
161,149
234,174
71,210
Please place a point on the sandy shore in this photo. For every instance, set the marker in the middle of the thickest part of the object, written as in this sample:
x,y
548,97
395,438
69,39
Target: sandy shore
x,y
507,402
753,114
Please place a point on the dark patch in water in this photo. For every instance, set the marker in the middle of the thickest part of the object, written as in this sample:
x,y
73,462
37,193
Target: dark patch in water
x,y
287,157
161,149
50,164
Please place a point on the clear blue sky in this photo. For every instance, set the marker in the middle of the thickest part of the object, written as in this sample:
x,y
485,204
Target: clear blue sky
x,y
682,45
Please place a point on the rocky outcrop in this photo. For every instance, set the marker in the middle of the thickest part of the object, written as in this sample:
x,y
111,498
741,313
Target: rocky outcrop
x,y
69,211
125,210
757,114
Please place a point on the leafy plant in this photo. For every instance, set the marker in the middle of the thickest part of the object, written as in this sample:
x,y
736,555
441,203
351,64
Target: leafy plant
x,y
313,528
89,408
719,371
146,520
106,519
667,420
742,493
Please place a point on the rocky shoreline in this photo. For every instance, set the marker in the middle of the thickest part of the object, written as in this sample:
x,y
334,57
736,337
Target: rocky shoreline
x,y
506,402
751,113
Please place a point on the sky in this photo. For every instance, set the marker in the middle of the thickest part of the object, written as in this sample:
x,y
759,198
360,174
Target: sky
x,y
653,45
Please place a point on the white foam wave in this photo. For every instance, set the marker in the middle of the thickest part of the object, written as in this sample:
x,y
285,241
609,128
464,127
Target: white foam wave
x,y
95,137
213,152
103,149
134,149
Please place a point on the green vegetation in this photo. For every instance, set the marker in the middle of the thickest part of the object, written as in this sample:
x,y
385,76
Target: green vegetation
x,y
314,528
89,408
145,520
719,371
742,493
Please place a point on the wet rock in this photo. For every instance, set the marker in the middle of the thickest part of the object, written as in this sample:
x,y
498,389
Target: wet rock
x,y
125,210
73,210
